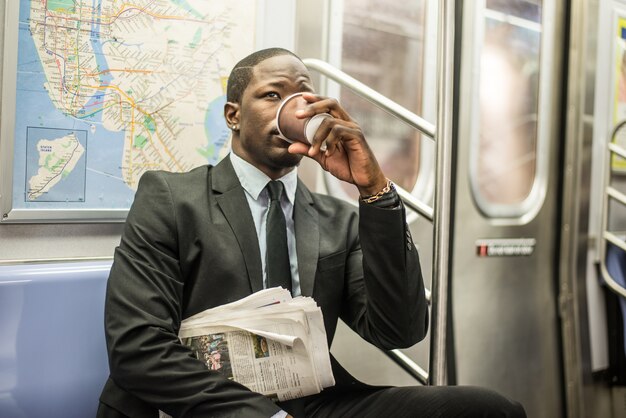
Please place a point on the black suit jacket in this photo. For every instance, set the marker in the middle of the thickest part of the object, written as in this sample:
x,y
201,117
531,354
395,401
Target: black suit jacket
x,y
190,244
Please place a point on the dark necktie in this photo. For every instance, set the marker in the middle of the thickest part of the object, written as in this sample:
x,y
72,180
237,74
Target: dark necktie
x,y
277,259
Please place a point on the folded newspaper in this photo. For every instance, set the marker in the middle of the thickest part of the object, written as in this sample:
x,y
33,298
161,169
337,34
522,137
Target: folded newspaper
x,y
269,342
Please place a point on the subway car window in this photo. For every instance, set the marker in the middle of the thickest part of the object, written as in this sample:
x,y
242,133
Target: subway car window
x,y
505,136
383,46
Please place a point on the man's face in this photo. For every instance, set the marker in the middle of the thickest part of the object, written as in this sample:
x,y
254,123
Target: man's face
x,y
257,141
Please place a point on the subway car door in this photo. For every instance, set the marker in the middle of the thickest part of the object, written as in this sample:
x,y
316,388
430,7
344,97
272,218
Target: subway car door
x,y
504,282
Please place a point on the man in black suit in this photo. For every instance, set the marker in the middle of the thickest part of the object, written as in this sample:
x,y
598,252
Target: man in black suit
x,y
195,240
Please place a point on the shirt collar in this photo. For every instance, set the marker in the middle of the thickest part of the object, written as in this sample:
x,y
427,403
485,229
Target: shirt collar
x,y
254,180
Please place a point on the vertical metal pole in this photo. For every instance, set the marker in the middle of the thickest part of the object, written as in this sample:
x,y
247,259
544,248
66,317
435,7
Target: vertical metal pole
x,y
438,373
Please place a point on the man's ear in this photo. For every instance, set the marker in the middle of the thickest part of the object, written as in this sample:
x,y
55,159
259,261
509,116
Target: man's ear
x,y
231,114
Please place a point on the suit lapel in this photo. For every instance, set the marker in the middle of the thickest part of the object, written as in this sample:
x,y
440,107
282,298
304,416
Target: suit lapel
x,y
307,238
230,197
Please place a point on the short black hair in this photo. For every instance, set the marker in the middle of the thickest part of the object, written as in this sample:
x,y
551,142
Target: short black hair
x,y
242,72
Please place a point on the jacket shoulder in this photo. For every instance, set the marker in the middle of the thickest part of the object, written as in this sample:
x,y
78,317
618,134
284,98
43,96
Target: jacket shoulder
x,y
198,172
175,181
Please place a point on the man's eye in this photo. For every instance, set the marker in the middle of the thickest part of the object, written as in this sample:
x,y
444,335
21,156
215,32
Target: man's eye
x,y
272,95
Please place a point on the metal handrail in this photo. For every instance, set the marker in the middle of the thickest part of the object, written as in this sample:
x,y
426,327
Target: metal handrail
x,y
438,368
616,195
408,365
415,204
439,215
617,150
371,95
611,193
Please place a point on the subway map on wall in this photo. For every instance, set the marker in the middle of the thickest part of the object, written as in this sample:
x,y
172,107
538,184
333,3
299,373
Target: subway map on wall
x,y
108,89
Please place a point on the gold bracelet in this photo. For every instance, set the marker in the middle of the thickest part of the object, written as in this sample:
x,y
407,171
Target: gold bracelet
x,y
372,198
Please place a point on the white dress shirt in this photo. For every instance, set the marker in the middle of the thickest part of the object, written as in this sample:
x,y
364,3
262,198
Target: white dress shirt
x,y
254,181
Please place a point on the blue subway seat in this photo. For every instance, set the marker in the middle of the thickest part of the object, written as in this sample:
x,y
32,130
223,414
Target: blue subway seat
x,y
53,360
616,266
